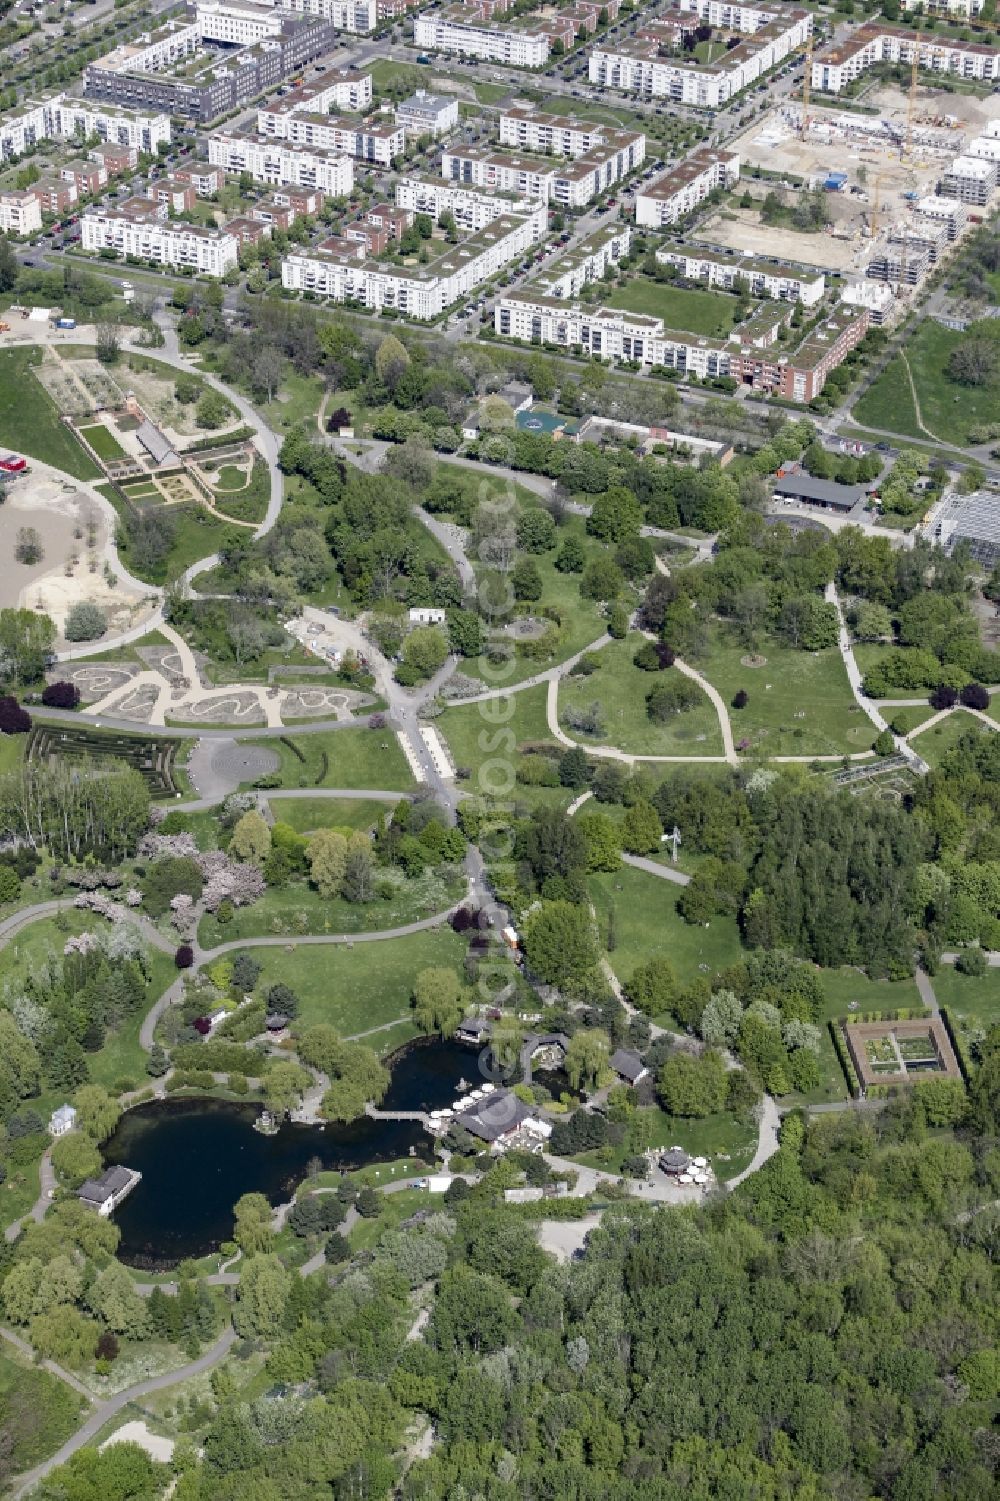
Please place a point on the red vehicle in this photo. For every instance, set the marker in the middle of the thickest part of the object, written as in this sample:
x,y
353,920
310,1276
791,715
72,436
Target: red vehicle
x,y
11,463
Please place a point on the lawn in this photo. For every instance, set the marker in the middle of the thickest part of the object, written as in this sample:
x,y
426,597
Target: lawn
x,y
297,909
355,989
352,757
621,688
11,752
240,500
727,1142
695,311
478,736
936,742
800,703
29,421
842,987
197,534
304,814
647,925
948,409
297,401
38,1412
103,441
973,1002
903,721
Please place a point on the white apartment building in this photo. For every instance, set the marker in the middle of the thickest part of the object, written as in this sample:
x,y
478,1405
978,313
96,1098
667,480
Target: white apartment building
x,y
553,135
342,89
569,184
427,114
636,66
877,296
450,31
365,140
962,8
472,208
356,16
948,211
970,179
156,51
212,252
587,262
683,187
238,23
840,64
762,279
418,291
20,212
62,118
281,164
609,333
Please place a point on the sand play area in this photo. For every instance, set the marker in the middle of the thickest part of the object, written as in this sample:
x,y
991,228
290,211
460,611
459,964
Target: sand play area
x,y
78,559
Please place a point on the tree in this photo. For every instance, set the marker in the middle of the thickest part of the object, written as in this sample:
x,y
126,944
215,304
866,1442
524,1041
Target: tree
x,y
587,1058
720,1020
26,639
526,581
391,360
604,850
213,410
327,856
252,1224
973,362
884,744
676,695
97,1112
85,621
692,1086
28,548
437,1000
261,1297
653,986
251,838
114,1298
284,1085
108,343
61,695
412,462
9,266
536,530
425,650
13,719
74,1158
615,515
559,942
975,696
641,829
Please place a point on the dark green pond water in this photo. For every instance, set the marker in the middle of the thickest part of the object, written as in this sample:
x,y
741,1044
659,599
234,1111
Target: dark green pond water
x,y
197,1156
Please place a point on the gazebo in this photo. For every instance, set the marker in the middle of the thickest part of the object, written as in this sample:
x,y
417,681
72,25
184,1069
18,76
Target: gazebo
x,y
674,1161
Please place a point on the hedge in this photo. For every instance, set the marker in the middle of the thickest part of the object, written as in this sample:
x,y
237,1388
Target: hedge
x,y
844,1058
220,1057
965,1063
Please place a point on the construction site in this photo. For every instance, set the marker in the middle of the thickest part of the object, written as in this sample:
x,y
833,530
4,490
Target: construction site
x,y
876,169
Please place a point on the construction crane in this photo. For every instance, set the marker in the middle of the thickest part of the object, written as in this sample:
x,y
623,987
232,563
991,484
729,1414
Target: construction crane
x,y
807,81
911,103
875,196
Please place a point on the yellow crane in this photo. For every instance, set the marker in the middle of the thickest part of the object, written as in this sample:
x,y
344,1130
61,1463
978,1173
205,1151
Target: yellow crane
x,y
875,197
807,81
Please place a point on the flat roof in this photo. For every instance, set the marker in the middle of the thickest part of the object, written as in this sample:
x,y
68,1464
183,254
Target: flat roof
x,y
805,487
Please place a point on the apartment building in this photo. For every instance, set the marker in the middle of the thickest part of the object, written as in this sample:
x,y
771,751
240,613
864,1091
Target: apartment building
x,y
426,114
552,135
682,188
418,291
355,16
877,296
393,222
20,212
761,278
947,211
639,65
115,159
472,208
839,65
586,262
281,164
333,90
212,252
179,197
569,184
88,177
962,10
970,179
452,30
182,69
202,176
749,356
62,118
900,260
367,140
54,195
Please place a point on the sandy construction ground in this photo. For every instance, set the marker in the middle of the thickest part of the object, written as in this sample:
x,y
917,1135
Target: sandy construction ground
x,y
136,1432
741,230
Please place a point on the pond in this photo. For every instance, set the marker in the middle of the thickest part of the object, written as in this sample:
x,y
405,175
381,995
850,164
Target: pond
x,y
197,1156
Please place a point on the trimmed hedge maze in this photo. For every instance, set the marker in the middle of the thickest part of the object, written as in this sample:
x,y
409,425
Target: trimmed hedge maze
x,y
153,759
